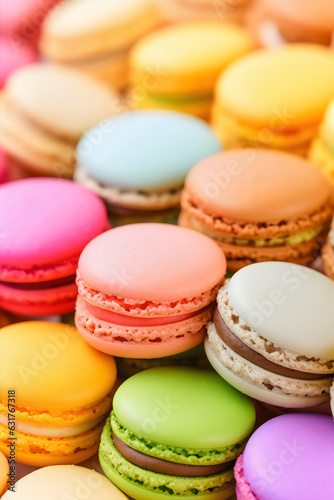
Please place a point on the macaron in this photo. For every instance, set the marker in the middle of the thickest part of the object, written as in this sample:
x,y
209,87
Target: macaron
x,y
321,153
327,254
4,170
56,389
62,482
44,226
274,98
147,290
12,57
310,21
44,111
4,474
204,10
258,205
138,167
167,70
291,456
272,334
96,37
332,398
175,431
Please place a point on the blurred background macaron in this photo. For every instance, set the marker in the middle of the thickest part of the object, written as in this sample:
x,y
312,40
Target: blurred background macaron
x,y
321,153
58,389
272,334
168,71
258,205
275,98
147,290
44,226
138,162
13,57
281,458
177,430
205,10
60,482
292,21
96,36
327,254
4,474
4,170
44,110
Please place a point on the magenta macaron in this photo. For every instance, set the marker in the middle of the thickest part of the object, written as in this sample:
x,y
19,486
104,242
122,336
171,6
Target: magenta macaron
x,y
288,458
44,226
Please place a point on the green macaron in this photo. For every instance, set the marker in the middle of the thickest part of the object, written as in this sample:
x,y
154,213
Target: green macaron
x,y
175,432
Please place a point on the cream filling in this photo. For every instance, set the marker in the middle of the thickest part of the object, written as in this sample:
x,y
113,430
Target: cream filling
x,y
53,432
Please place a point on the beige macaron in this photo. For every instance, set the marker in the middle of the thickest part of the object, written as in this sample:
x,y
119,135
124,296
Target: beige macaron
x,y
96,36
44,111
205,10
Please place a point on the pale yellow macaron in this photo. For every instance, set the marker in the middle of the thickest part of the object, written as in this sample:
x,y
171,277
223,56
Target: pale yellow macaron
x,y
322,148
96,36
204,10
45,108
177,67
275,98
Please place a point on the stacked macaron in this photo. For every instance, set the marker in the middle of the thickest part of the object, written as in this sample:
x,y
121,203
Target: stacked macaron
x,y
147,290
140,160
272,334
44,226
175,431
275,98
96,37
54,394
321,153
258,206
169,72
44,111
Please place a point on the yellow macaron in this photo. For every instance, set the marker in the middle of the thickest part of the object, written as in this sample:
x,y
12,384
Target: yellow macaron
x,y
177,67
54,394
275,98
96,36
322,148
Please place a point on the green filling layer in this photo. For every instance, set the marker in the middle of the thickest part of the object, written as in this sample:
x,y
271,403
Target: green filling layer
x,y
174,454
153,481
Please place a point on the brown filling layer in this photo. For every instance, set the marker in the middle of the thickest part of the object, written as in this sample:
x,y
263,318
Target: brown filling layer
x,y
163,466
246,352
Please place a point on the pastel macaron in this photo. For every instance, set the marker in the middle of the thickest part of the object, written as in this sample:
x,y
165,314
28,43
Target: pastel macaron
x,y
176,431
327,254
64,482
96,37
204,10
147,290
167,71
56,389
310,21
47,224
258,205
274,98
291,456
44,111
271,335
321,152
13,57
4,474
139,163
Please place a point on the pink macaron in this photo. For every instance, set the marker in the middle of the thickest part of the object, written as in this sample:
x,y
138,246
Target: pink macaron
x,y
4,174
13,56
44,226
147,290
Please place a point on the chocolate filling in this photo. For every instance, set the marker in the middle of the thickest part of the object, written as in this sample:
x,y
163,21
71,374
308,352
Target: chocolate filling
x,y
163,466
246,352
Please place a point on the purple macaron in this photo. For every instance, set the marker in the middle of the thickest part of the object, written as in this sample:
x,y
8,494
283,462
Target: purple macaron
x,y
291,457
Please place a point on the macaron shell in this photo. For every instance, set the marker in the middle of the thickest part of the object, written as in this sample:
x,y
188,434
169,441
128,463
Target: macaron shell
x,y
58,236
278,299
177,143
273,88
301,448
52,355
60,100
23,17
151,404
157,262
257,186
60,482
